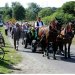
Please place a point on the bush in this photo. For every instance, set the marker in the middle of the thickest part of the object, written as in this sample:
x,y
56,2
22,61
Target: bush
x,y
69,7
64,17
45,12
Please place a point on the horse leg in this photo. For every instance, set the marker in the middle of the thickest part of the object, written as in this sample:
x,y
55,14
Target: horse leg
x,y
54,50
43,48
54,57
69,50
61,48
22,40
43,51
65,51
47,51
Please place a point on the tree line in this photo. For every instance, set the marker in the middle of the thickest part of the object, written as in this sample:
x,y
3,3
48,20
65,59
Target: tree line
x,y
64,14
20,13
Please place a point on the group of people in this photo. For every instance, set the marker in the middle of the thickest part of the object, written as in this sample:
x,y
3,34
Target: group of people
x,y
8,28
18,31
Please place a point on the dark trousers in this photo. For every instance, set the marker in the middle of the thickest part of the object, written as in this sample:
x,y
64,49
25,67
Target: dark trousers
x,y
16,41
10,29
6,32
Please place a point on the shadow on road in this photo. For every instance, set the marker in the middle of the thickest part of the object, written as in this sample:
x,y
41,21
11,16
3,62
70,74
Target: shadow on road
x,y
71,60
29,51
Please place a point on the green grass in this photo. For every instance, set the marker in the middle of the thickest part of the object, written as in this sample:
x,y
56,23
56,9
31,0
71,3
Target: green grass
x,y
73,42
11,56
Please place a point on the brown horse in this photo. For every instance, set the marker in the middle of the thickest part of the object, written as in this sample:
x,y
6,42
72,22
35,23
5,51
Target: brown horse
x,y
52,40
51,34
41,39
66,36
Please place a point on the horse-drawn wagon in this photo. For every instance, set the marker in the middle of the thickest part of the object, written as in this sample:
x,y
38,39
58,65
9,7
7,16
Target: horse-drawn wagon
x,y
49,38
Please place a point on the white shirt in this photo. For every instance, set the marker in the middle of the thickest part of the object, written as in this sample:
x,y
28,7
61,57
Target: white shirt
x,y
40,24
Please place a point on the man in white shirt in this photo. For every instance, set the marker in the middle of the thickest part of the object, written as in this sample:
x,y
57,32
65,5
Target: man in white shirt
x,y
38,24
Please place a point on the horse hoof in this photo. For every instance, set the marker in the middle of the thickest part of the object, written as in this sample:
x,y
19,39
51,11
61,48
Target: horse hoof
x,y
54,58
22,43
65,57
69,57
48,57
43,55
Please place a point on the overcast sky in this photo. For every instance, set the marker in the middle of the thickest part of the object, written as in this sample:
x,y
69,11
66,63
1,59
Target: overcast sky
x,y
42,3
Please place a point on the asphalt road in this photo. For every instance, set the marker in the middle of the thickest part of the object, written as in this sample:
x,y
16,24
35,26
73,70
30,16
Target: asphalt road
x,y
35,63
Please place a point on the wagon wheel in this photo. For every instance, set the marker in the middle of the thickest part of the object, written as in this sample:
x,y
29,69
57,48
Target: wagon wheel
x,y
33,46
33,49
2,53
25,42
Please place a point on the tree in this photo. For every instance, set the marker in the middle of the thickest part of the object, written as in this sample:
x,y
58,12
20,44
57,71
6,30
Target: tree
x,y
69,7
45,12
32,11
7,12
34,7
60,16
19,12
30,15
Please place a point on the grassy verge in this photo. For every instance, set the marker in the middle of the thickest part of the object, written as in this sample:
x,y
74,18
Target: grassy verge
x,y
11,56
73,42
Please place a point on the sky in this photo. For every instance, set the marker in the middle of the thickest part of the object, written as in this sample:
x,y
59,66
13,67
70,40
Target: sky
x,y
41,3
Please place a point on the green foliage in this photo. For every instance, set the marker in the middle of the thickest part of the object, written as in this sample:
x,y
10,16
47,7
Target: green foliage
x,y
46,20
66,13
30,15
32,11
69,7
68,17
34,7
9,12
19,12
59,14
45,12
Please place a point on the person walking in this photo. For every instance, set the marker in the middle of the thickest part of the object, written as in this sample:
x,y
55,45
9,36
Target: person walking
x,y
16,35
6,28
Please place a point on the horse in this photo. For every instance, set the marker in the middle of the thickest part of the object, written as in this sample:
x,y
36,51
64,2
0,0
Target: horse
x,y
66,36
40,39
47,35
52,42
